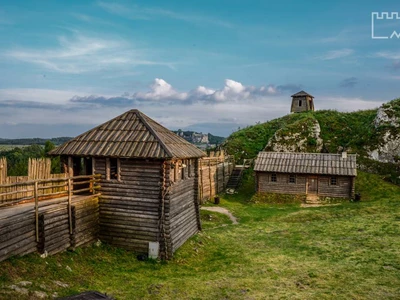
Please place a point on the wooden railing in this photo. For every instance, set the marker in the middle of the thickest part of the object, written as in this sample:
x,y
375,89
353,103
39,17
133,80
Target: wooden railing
x,y
42,189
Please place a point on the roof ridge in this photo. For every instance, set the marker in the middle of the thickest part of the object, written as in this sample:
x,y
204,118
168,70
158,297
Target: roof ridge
x,y
151,129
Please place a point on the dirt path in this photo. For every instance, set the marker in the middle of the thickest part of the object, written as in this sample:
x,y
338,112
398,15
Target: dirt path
x,y
222,211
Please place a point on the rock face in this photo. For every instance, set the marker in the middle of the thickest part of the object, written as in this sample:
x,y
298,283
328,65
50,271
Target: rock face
x,y
387,123
193,137
302,136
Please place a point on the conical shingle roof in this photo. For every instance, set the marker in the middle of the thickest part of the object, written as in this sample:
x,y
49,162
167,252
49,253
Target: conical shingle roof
x,y
130,135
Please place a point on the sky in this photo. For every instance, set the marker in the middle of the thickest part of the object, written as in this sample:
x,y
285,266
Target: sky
x,y
208,66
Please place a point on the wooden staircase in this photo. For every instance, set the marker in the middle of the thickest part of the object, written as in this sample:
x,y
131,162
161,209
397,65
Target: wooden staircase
x,y
312,199
237,173
235,178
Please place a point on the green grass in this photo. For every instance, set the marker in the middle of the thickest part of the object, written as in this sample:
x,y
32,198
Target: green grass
x,y
349,251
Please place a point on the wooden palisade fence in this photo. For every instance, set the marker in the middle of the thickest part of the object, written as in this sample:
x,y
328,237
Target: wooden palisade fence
x,y
214,172
69,217
37,169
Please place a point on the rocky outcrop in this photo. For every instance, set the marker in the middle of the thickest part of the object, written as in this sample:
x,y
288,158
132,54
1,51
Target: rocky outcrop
x,y
301,136
387,124
193,137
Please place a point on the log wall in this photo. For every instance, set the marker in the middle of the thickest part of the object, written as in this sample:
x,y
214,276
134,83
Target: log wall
x,y
129,207
182,216
18,231
282,184
343,189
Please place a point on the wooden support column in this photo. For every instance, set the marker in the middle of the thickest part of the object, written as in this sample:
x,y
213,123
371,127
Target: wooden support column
x,y
223,174
70,166
209,177
36,210
353,188
42,239
73,221
69,205
164,236
196,197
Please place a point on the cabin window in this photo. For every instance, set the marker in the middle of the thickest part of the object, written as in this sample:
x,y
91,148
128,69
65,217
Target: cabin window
x,y
113,169
333,181
273,177
300,102
292,178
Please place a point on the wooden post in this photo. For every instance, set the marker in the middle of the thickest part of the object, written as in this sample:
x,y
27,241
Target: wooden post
x,y
209,177
223,174
70,166
36,210
69,205
200,170
196,197
216,176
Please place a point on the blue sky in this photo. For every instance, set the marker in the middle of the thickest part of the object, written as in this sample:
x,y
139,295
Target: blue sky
x,y
210,66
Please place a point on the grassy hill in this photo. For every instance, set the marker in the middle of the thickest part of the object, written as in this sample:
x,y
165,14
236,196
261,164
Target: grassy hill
x,y
356,132
348,251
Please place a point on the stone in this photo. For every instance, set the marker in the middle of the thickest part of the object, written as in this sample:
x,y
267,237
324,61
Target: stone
x,y
19,290
62,284
24,283
40,295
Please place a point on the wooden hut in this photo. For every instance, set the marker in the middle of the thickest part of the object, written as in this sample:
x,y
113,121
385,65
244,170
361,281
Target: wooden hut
x,y
149,182
302,101
320,174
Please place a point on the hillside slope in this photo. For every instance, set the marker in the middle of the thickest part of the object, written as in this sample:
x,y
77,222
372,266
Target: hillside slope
x,y
372,134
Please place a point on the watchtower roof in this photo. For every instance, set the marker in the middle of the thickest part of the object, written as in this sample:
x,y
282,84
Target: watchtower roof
x,y
130,135
302,93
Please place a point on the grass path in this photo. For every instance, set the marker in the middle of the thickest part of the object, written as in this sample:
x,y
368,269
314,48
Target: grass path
x,y
221,210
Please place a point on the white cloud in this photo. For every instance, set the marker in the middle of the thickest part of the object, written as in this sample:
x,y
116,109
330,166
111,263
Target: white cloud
x,y
80,54
388,55
335,54
161,89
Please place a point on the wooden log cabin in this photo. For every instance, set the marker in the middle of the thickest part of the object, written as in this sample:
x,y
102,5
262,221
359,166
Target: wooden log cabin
x,y
319,174
149,182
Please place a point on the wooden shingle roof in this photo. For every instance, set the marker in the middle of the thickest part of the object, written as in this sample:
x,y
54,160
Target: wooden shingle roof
x,y
130,135
302,93
306,163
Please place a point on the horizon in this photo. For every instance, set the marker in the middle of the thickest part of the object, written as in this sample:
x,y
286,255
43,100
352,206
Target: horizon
x,y
205,67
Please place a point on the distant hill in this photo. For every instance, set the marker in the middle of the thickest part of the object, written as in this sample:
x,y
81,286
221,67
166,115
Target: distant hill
x,y
373,134
34,141
200,138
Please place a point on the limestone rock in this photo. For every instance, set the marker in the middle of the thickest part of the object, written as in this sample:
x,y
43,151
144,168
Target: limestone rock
x,y
387,123
303,136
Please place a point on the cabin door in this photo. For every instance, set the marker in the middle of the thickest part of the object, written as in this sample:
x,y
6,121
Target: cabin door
x,y
312,185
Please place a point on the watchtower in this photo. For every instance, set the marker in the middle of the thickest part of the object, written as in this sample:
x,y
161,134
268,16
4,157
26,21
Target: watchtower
x,y
302,101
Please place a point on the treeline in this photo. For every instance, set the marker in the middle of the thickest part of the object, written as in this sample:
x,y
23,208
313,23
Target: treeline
x,y
17,158
34,141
